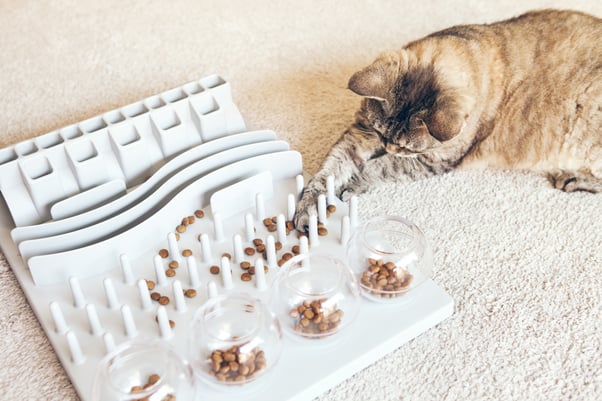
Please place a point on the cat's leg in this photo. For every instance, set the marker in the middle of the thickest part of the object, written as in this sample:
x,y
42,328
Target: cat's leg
x,y
344,162
571,181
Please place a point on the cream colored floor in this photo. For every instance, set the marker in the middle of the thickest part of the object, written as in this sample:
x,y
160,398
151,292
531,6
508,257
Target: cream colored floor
x,y
522,261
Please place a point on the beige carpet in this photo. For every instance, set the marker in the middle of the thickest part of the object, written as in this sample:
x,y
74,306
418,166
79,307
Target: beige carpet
x,y
522,261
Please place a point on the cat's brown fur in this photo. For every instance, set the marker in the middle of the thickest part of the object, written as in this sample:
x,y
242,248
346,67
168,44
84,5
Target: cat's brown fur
x,y
525,93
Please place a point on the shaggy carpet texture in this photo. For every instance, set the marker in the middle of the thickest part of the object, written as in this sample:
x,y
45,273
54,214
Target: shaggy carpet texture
x,y
522,261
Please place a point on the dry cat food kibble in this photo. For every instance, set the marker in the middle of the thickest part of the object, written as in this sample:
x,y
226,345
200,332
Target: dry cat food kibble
x,y
214,269
316,318
257,241
155,296
246,276
386,280
170,272
150,284
245,265
152,380
173,264
181,228
226,255
199,213
190,293
235,365
249,251
164,253
163,300
330,209
186,252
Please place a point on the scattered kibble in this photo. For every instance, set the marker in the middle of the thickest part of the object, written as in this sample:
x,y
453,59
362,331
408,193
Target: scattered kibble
x,y
249,251
163,253
199,214
155,296
150,284
245,265
214,269
170,272
296,249
186,252
322,231
246,276
226,255
181,228
164,300
190,293
173,264
257,241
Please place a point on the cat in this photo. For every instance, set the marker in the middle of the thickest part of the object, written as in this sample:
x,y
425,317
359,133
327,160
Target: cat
x,y
524,93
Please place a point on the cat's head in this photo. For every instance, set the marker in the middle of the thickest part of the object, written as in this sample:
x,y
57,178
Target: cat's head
x,y
408,104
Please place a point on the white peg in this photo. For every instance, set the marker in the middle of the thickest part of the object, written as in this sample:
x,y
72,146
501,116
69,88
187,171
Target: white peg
x,y
163,320
303,245
58,317
290,207
206,248
109,342
313,230
270,249
193,272
93,320
259,206
249,227
322,208
260,275
110,293
159,270
145,299
345,230
126,269
79,301
178,295
281,229
353,219
218,227
174,249
128,321
211,289
239,255
226,273
77,356
330,190
299,184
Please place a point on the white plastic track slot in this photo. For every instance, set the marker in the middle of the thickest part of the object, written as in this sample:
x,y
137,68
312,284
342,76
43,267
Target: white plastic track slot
x,y
140,211
195,154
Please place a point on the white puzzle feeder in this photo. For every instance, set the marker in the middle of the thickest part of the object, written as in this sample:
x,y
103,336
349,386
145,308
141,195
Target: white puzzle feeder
x,y
165,227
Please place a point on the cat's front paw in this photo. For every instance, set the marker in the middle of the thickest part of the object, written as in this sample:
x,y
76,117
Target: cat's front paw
x,y
305,208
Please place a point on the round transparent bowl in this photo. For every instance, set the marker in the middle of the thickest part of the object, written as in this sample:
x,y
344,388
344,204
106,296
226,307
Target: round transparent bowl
x,y
144,370
315,296
234,340
390,258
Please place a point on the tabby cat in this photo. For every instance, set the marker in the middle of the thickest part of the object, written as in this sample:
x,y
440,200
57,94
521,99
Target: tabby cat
x,y
524,93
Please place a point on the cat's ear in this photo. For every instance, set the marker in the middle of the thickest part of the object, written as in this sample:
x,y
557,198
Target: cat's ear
x,y
448,116
377,80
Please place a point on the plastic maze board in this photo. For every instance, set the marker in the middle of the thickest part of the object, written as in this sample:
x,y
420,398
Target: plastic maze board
x,y
86,208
